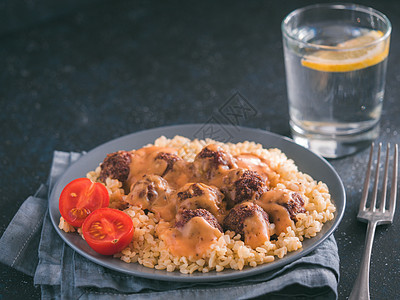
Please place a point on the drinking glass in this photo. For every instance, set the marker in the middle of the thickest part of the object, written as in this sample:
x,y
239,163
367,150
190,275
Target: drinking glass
x,y
335,61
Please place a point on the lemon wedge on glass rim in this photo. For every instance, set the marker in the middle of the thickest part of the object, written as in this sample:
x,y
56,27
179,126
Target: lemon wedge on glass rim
x,y
343,60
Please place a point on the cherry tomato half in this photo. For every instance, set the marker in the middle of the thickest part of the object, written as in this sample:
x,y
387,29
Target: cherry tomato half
x,y
81,197
108,230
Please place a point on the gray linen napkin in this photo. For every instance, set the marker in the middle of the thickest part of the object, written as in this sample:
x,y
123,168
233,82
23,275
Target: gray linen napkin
x,y
31,245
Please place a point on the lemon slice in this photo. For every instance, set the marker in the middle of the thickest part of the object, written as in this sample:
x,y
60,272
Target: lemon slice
x,y
349,60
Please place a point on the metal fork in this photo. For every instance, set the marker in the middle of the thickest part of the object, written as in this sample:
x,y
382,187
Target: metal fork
x,y
374,216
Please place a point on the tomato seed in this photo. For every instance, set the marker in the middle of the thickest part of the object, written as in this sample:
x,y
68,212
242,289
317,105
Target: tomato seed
x,y
80,213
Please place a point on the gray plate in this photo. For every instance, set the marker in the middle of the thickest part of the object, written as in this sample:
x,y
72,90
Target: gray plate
x,y
306,161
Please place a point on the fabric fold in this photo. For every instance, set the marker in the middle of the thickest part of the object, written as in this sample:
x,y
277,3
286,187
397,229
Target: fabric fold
x,y
19,243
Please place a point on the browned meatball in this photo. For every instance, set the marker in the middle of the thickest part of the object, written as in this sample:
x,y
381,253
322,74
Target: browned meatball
x,y
116,166
243,185
211,159
169,159
185,215
235,220
200,195
282,207
190,191
294,205
152,192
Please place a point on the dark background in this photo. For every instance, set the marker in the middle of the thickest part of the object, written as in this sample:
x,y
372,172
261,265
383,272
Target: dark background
x,y
75,74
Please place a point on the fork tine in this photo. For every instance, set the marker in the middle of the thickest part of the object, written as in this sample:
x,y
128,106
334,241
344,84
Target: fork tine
x,y
393,190
385,180
366,181
375,191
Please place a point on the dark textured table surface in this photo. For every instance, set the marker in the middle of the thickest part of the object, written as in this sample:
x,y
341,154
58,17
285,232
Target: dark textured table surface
x,y
75,75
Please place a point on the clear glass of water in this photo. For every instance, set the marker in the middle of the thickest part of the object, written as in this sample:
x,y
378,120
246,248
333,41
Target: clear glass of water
x,y
335,60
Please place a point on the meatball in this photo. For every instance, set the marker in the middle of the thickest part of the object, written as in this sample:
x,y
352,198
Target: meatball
x,y
200,195
235,220
282,207
243,185
172,168
169,159
149,189
152,193
116,166
190,191
186,215
212,159
294,205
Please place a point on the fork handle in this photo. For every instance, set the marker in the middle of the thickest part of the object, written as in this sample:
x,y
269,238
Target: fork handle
x,y
360,289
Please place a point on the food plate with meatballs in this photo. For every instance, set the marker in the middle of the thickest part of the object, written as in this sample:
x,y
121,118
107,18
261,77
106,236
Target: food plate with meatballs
x,y
202,209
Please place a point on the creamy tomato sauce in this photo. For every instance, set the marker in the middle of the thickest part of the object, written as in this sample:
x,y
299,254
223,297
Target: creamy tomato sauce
x,y
271,202
256,232
144,162
194,239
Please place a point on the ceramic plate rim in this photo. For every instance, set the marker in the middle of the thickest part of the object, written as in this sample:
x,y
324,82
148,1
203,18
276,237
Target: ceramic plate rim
x,y
236,133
